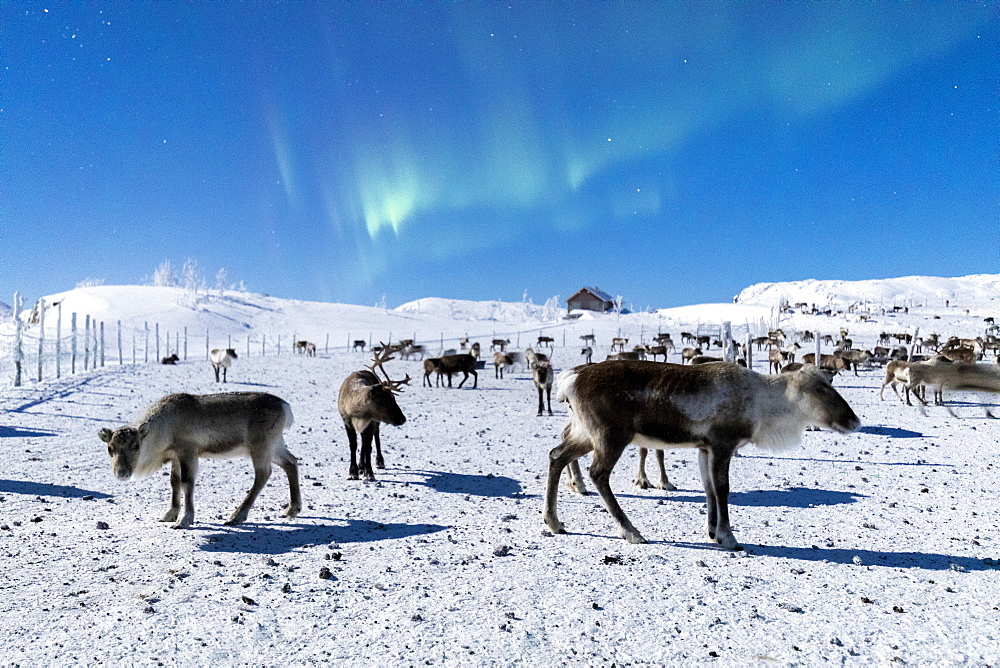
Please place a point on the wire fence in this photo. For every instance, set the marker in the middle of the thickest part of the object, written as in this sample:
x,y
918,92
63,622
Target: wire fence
x,y
44,343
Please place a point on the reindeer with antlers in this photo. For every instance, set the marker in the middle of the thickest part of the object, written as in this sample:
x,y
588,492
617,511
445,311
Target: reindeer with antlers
x,y
364,403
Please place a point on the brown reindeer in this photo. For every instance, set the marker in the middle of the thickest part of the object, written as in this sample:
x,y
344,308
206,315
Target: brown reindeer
x,y
364,402
542,374
449,365
716,408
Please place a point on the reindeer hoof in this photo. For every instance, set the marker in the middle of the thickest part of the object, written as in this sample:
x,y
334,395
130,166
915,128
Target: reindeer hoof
x,y
642,484
634,538
171,515
668,487
183,524
292,511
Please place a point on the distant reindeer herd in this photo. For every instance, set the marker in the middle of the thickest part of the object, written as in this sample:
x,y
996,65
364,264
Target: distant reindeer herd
x,y
633,397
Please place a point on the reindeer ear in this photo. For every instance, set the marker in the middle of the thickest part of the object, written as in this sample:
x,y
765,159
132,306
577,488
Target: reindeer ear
x,y
143,430
105,435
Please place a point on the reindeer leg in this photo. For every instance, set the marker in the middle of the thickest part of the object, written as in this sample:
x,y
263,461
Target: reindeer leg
x,y
575,481
366,454
714,464
175,493
548,397
541,403
352,440
607,451
188,471
664,482
290,466
641,481
562,455
379,462
261,473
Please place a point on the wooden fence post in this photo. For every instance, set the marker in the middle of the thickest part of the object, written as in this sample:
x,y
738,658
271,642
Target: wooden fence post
x,y
185,343
72,354
145,349
18,349
58,338
41,336
120,361
102,344
157,341
86,343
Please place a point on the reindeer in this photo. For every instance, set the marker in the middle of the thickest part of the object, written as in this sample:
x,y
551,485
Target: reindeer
x,y
475,350
687,337
588,339
542,374
826,362
173,359
631,355
776,359
619,343
653,351
364,402
534,358
716,408
180,428
959,354
689,353
463,343
588,353
305,347
500,343
413,349
501,361
431,364
962,376
461,363
222,359
359,343
545,341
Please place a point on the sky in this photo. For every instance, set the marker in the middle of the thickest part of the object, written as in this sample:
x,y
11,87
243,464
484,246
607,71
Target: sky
x,y
668,152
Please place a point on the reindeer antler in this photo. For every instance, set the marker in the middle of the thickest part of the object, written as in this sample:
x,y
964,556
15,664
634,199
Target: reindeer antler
x,y
383,356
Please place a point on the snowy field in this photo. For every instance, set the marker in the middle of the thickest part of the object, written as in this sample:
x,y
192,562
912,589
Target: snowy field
x,y
868,548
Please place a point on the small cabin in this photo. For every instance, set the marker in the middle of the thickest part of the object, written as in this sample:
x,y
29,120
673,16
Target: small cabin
x,y
590,299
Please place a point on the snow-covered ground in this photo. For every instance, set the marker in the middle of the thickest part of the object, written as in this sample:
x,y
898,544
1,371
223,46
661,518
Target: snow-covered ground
x,y
861,548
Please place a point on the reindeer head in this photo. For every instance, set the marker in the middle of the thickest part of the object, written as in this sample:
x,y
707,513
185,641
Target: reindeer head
x,y
124,444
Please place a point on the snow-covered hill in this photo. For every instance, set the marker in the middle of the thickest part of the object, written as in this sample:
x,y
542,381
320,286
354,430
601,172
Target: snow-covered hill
x,y
977,293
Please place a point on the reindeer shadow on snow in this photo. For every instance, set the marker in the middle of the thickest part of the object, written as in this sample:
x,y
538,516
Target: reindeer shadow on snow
x,y
485,484
273,539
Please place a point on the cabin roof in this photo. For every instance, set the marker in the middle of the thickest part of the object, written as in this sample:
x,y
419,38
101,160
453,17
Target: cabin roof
x,y
597,292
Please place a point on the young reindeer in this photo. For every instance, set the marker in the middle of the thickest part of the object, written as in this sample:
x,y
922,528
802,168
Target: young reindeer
x,y
222,359
716,408
542,374
180,428
365,402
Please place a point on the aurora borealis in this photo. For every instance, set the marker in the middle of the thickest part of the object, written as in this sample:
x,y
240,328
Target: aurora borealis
x,y
674,152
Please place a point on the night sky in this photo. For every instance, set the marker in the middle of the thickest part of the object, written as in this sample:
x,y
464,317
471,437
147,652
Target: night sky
x,y
670,152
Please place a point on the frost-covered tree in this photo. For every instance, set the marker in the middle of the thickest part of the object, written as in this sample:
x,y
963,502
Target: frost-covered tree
x,y
90,282
552,309
193,282
619,302
164,276
221,281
